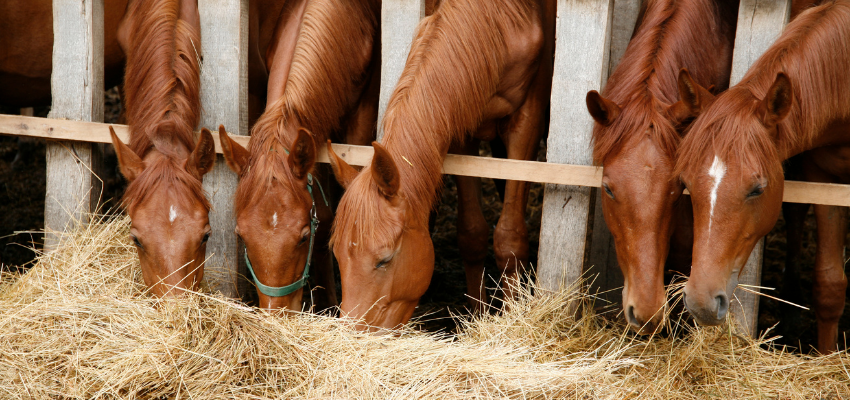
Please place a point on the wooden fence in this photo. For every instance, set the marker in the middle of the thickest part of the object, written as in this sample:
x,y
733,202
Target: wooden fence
x,y
592,35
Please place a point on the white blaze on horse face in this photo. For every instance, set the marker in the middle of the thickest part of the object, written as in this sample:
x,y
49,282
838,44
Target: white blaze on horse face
x,y
172,214
716,172
274,220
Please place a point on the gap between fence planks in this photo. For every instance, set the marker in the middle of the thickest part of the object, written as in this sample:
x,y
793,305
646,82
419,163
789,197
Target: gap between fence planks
x,y
484,167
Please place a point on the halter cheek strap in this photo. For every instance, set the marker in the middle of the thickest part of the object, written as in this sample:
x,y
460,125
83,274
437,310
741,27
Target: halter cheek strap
x,y
280,291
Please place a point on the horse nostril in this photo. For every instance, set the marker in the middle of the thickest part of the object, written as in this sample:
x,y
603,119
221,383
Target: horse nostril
x,y
722,306
630,316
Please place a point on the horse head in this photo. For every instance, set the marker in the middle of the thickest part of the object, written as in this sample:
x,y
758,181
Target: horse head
x,y
276,213
640,190
382,245
732,167
169,212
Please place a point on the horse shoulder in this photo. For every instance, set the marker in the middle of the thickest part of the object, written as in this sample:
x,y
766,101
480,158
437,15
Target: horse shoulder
x,y
524,45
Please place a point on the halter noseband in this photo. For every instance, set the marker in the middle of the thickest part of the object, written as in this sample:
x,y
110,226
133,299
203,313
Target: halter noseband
x,y
281,291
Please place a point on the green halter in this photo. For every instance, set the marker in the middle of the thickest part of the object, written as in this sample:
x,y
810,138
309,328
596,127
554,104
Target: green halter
x,y
280,291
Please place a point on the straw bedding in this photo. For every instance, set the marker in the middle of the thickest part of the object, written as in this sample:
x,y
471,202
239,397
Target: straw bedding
x,y
79,325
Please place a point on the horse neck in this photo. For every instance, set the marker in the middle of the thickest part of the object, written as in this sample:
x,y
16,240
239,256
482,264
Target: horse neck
x,y
329,66
436,101
806,52
674,34
162,79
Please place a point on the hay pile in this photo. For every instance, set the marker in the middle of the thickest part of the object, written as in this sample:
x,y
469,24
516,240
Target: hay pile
x,y
79,326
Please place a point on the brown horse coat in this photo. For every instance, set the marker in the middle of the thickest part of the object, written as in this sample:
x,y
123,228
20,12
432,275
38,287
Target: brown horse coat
x,y
26,53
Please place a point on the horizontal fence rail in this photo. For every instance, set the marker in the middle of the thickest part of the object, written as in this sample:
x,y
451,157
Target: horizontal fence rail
x,y
484,167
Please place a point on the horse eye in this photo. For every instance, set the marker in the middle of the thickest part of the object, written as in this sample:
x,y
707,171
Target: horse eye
x,y
608,190
206,237
304,238
756,192
136,241
383,263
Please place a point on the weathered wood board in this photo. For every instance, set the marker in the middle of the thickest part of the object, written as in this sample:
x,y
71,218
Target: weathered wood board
x,y
399,19
581,64
224,100
77,91
760,22
831,194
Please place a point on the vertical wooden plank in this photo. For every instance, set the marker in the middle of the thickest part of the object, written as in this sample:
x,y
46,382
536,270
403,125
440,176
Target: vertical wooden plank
x,y
224,100
399,19
581,64
602,260
625,18
77,91
760,22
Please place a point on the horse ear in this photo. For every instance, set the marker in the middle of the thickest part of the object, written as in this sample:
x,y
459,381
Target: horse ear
x,y
235,155
302,155
384,171
602,110
343,172
202,158
777,103
128,161
693,99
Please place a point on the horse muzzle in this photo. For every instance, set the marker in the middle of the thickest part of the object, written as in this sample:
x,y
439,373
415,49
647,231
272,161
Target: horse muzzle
x,y
709,305
710,312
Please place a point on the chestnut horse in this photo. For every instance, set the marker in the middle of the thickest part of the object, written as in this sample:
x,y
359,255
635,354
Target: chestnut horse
x,y
324,76
638,127
26,53
794,98
162,164
476,69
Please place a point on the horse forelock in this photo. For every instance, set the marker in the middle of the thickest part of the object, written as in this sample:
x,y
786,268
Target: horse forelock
x,y
730,131
812,52
271,138
161,171
360,216
635,122
162,79
672,34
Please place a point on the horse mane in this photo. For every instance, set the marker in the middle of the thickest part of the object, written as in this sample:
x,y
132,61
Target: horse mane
x,y
452,71
325,74
161,95
672,34
812,52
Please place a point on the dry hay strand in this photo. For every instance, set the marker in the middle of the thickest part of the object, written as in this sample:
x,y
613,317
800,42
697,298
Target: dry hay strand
x,y
79,325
